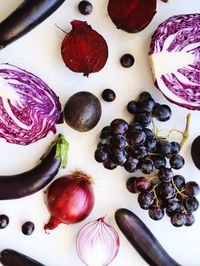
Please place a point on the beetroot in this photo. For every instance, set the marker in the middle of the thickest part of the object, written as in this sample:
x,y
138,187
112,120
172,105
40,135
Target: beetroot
x,y
83,49
131,15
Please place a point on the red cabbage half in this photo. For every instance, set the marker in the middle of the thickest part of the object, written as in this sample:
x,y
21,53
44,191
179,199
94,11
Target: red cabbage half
x,y
175,59
29,109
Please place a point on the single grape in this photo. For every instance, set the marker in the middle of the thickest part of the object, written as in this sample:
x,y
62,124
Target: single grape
x,y
134,126
179,181
118,142
166,190
146,105
148,132
146,166
119,126
189,219
108,95
131,165
159,161
101,154
191,189
142,183
164,147
131,185
175,147
177,161
105,132
165,174
145,199
139,152
162,112
191,204
85,7
143,118
172,204
28,228
110,165
132,107
151,142
144,96
119,156
178,219
156,212
4,221
127,60
137,137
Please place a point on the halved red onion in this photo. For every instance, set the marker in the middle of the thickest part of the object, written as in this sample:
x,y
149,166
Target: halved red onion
x,y
175,60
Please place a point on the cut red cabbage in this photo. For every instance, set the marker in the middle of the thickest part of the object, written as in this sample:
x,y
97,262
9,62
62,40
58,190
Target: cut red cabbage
x,y
175,59
29,109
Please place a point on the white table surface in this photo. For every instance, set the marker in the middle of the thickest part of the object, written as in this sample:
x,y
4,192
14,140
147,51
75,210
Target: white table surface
x,y
39,52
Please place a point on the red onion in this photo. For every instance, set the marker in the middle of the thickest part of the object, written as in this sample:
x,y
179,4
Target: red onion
x,y
131,15
69,199
83,49
97,243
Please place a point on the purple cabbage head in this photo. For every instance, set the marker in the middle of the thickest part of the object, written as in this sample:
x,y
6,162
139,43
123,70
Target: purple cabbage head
x,y
175,59
29,109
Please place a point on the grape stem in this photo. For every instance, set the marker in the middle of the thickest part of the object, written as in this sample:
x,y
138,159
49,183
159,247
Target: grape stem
x,y
186,132
177,190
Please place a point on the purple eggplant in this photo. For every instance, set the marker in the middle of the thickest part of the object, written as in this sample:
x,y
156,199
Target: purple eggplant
x,y
9,257
142,239
26,17
29,182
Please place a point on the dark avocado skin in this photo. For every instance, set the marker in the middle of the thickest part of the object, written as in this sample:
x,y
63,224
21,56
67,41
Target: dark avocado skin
x,y
82,111
195,152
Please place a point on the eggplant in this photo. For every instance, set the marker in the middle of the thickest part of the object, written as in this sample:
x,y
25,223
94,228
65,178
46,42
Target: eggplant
x,y
26,17
29,182
9,257
142,239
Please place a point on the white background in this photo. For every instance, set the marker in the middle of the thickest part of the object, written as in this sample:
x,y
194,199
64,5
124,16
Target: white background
x,y
39,52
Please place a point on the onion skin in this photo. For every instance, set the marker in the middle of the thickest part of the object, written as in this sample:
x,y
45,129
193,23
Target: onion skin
x,y
69,199
9,257
131,15
142,239
83,49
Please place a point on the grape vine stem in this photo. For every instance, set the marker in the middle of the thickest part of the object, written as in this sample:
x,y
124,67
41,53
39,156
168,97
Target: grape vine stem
x,y
186,132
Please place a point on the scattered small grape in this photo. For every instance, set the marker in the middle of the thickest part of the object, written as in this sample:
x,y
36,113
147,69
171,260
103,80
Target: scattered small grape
x,y
127,60
85,7
4,221
108,95
28,228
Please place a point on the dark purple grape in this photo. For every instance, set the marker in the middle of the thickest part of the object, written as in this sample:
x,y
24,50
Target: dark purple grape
x,y
118,142
110,165
165,174
179,181
105,132
191,189
127,60
144,96
175,147
131,165
108,95
119,126
119,156
142,183
151,142
148,132
137,137
85,7
143,118
164,147
146,166
146,105
28,228
191,204
178,219
172,204
4,221
139,152
177,161
132,107
134,126
101,154
159,161
166,190
162,112
131,185
156,212
145,199
189,219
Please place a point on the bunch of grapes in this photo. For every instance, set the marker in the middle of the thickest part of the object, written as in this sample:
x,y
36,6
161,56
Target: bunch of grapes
x,y
135,146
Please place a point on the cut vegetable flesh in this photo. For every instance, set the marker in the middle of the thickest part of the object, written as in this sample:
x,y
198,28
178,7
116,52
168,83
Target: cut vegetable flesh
x,y
175,60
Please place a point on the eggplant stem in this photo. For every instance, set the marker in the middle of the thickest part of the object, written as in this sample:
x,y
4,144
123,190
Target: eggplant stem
x,y
186,132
